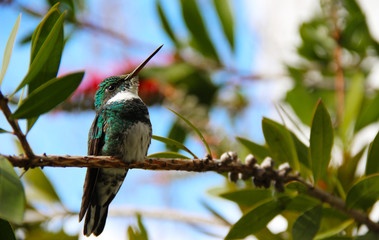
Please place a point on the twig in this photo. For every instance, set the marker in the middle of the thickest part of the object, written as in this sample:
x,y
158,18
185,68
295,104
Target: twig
x,y
194,165
16,128
340,205
263,175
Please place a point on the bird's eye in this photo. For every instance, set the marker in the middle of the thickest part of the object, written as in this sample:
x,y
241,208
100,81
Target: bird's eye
x,y
111,88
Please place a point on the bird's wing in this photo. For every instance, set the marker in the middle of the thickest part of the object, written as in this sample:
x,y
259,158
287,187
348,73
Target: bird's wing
x,y
95,144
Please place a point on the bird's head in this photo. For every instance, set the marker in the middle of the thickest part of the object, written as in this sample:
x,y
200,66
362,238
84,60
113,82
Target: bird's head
x,y
120,88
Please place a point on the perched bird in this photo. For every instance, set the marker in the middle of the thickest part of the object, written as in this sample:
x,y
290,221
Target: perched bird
x,y
121,128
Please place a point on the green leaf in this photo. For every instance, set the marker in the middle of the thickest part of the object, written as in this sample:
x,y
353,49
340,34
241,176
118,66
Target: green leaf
x,y
6,230
40,187
12,194
166,25
335,231
307,224
302,203
260,152
372,165
225,15
196,26
248,197
30,123
195,129
280,143
302,151
368,114
354,98
45,51
139,233
167,155
257,218
49,95
321,142
172,142
39,233
303,108
364,193
9,48
4,131
50,68
347,171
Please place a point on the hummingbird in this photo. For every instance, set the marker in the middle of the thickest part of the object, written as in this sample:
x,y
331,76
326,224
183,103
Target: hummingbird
x,y
121,128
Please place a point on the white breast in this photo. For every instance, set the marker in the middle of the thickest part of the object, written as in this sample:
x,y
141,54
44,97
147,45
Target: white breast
x,y
136,142
122,96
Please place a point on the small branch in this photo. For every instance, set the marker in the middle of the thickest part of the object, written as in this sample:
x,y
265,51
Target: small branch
x,y
339,204
194,165
263,175
16,128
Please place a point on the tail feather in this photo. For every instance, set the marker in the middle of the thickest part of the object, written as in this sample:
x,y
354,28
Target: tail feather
x,y
95,220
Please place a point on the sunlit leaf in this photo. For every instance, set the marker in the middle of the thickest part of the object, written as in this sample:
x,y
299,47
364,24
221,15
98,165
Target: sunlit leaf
x,y
280,143
6,230
40,187
167,155
364,193
9,48
195,129
372,165
12,194
195,24
321,142
172,142
307,224
47,46
260,152
48,96
224,11
257,218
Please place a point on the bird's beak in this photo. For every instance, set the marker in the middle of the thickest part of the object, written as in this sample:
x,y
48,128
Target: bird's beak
x,y
139,68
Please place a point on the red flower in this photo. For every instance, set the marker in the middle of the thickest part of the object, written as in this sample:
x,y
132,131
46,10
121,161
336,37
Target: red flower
x,y
150,91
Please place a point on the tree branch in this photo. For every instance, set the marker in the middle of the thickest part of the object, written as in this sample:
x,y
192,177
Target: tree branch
x,y
263,175
16,128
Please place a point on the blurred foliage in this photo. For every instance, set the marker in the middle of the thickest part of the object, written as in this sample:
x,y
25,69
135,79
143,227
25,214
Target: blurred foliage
x,y
331,97
139,232
336,50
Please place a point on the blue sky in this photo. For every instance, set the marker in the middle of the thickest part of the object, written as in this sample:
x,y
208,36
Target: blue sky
x,y
66,133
